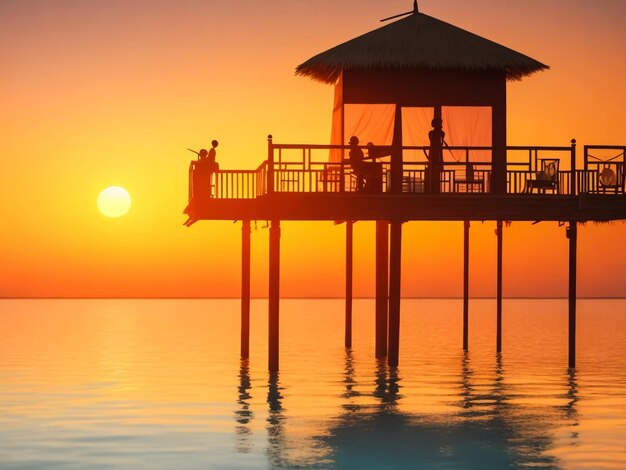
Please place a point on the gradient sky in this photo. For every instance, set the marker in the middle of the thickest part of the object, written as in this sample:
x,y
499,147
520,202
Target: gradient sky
x,y
99,93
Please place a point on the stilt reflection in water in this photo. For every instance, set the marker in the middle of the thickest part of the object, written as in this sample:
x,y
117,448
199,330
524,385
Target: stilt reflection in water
x,y
387,384
275,423
491,429
570,408
349,382
243,414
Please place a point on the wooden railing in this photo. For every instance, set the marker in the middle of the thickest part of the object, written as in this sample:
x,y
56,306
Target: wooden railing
x,y
292,168
232,184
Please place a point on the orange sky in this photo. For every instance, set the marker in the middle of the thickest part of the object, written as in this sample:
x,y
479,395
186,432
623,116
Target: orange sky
x,y
112,93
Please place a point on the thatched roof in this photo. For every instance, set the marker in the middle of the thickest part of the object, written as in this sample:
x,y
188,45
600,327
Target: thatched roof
x,y
419,42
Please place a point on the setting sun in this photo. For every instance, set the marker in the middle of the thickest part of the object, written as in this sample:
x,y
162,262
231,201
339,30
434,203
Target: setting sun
x,y
114,201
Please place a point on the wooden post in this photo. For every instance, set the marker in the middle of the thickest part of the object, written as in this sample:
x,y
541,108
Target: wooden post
x,y
245,289
573,169
396,153
270,165
395,269
274,295
572,234
498,139
382,286
348,325
466,229
499,290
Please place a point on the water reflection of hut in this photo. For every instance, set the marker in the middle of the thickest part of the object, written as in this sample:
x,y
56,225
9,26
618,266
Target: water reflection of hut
x,y
488,426
489,430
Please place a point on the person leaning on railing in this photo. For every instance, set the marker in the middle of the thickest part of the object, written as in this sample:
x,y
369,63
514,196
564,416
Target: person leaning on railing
x,y
212,166
203,172
436,138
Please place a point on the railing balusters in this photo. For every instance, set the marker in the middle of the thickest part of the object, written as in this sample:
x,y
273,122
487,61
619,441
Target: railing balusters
x,y
306,175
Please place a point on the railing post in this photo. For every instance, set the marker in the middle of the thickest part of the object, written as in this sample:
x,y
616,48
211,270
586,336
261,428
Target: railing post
x,y
270,165
342,173
396,153
573,169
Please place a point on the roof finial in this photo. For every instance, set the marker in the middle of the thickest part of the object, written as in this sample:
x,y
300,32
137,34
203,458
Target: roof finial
x,y
414,12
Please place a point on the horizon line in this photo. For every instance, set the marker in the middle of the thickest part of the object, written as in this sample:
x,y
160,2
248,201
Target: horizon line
x,y
302,298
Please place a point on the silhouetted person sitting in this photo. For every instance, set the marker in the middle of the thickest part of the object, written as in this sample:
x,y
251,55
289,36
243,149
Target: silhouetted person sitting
x,y
435,156
356,162
201,184
368,175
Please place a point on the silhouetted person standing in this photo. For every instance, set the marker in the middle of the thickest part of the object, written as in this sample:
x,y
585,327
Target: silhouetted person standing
x,y
435,156
212,166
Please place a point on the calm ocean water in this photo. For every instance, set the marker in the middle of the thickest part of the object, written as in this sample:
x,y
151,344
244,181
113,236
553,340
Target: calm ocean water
x,y
159,384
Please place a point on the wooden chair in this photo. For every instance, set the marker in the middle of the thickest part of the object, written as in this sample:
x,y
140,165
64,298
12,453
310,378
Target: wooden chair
x,y
611,177
547,178
471,182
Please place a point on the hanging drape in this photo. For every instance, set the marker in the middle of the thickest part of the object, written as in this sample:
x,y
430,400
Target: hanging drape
x,y
464,126
467,126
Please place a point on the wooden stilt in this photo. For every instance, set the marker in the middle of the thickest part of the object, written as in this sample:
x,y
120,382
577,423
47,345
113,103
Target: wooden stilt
x,y
572,234
395,268
348,325
274,295
382,286
245,289
499,290
466,229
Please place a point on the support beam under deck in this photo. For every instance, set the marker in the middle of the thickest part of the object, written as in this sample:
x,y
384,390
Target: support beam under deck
x,y
572,234
382,286
349,245
466,231
395,269
499,289
274,295
245,289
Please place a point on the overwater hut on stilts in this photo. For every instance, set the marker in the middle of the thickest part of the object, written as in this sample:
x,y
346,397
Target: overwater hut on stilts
x,y
394,86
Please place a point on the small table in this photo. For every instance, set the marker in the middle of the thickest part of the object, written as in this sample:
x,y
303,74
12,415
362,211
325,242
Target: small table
x,y
541,184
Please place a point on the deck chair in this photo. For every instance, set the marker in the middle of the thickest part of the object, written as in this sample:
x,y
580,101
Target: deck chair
x,y
611,177
547,178
471,182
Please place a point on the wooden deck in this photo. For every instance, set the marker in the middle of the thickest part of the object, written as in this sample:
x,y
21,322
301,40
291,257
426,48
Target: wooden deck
x,y
309,189
311,207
